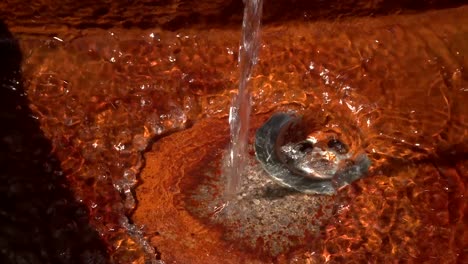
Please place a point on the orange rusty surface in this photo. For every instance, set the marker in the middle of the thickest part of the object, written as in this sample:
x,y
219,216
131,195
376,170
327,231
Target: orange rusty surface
x,y
413,212
404,210
395,84
180,236
51,16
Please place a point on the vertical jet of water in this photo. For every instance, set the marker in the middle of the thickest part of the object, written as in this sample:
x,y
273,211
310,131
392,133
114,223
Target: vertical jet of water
x,y
239,113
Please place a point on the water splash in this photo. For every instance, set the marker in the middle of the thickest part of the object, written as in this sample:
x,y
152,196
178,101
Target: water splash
x,y
239,113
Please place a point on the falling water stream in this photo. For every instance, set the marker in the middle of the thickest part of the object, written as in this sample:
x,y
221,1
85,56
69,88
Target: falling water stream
x,y
239,113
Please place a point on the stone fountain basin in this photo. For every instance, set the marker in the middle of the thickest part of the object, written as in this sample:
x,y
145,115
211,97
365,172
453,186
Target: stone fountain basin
x,y
372,98
395,85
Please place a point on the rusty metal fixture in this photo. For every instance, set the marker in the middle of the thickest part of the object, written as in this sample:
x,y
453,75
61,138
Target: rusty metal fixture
x,y
312,165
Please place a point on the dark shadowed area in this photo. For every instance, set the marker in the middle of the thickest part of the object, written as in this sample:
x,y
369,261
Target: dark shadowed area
x,y
40,221
178,14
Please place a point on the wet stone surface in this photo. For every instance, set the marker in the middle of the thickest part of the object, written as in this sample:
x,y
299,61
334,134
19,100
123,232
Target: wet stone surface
x,y
101,96
265,216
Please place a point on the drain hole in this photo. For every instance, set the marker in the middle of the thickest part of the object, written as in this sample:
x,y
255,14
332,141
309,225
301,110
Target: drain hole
x,y
338,146
305,146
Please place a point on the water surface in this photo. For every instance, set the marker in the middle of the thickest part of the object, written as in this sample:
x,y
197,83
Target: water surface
x,y
396,85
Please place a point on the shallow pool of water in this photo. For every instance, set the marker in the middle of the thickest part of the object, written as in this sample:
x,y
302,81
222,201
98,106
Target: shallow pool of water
x,y
137,119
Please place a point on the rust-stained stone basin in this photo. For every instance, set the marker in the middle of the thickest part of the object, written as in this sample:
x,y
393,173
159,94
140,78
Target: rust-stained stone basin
x,y
133,109
359,79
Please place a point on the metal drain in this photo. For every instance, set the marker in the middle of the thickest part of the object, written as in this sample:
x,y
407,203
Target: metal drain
x,y
311,165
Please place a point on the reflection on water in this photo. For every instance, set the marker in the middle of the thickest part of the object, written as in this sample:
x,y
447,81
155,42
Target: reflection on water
x,y
394,85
